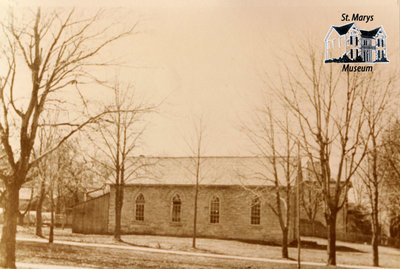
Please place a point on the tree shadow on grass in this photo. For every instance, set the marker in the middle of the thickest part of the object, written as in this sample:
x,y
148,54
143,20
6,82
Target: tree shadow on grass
x,y
159,246
306,244
133,245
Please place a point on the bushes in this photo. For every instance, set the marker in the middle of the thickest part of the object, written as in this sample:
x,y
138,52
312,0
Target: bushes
x,y
345,59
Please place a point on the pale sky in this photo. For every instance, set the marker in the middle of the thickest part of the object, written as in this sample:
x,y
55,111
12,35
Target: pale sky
x,y
208,57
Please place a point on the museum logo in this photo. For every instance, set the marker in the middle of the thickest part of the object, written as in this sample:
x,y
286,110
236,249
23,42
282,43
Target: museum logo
x,y
348,44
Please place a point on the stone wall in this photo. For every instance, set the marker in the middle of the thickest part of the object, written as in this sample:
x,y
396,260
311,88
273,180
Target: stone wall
x,y
234,219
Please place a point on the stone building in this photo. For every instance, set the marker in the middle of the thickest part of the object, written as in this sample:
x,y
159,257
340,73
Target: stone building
x,y
235,194
231,204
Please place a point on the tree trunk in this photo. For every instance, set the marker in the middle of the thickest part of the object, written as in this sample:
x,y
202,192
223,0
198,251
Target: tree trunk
x,y
119,196
313,227
51,232
39,206
285,253
21,217
63,218
9,232
375,230
375,251
195,216
331,226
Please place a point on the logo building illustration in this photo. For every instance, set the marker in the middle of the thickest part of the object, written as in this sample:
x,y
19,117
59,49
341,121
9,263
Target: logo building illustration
x,y
349,44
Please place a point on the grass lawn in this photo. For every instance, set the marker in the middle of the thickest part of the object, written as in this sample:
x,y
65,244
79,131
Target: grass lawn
x,y
348,253
58,254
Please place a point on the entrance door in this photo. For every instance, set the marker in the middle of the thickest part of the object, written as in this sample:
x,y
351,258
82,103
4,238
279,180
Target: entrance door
x,y
368,56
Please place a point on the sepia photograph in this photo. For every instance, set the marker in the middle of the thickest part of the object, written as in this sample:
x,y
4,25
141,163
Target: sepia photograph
x,y
200,134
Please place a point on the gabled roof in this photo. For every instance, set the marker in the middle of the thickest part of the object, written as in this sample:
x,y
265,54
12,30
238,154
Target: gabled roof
x,y
248,171
342,30
369,34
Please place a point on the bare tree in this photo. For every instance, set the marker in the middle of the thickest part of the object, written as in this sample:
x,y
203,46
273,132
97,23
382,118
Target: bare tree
x,y
391,183
376,102
276,148
311,201
79,178
330,117
53,172
54,51
117,137
39,205
46,139
196,146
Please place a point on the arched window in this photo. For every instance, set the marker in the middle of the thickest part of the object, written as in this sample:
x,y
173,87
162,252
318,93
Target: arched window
x,y
255,211
176,208
140,208
214,210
